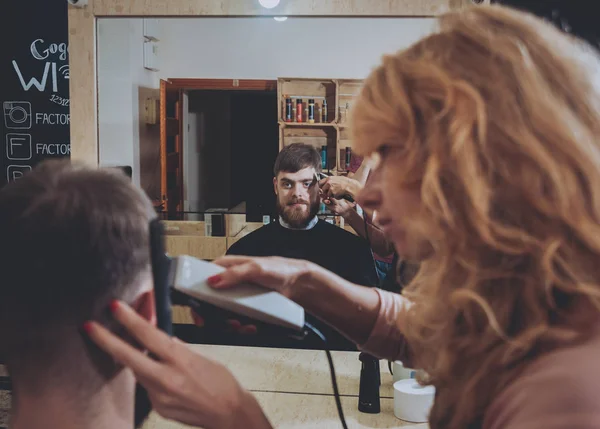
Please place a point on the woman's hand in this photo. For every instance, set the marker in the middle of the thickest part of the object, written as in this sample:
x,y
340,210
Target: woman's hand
x,y
339,186
275,273
182,385
349,308
284,275
339,207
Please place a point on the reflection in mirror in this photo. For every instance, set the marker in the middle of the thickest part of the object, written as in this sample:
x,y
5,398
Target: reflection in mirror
x,y
221,138
199,108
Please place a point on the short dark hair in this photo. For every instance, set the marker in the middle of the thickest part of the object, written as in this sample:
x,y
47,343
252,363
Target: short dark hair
x,y
71,239
296,157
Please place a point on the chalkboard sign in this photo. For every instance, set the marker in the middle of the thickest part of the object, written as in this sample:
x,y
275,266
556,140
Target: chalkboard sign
x,y
34,89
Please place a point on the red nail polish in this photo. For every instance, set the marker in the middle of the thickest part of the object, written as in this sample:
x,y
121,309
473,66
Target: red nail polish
x,y
213,280
87,327
114,305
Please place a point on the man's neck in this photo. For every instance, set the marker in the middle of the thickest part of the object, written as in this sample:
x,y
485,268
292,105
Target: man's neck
x,y
310,225
111,406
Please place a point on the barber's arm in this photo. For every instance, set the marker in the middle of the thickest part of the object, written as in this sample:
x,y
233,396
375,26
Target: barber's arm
x,y
350,308
362,173
378,242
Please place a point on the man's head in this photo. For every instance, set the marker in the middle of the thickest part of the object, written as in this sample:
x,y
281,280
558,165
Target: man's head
x,y
295,185
72,239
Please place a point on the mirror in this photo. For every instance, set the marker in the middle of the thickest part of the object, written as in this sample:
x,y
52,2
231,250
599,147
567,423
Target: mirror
x,y
230,137
200,107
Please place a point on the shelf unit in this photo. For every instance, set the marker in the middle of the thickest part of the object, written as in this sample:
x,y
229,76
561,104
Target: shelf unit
x,y
335,133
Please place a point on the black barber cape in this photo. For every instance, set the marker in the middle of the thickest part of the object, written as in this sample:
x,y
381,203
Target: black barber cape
x,y
327,245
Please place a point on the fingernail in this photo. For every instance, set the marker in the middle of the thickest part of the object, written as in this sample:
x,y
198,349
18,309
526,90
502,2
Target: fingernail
x,y
250,330
213,280
87,327
114,305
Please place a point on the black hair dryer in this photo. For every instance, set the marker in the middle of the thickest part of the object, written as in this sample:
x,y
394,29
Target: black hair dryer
x,y
370,380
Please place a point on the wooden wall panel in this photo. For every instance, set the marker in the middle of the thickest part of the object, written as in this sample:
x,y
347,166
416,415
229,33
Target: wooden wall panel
x,y
83,86
288,7
193,245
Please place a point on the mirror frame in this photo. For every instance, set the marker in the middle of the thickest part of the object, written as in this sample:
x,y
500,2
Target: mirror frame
x,y
83,82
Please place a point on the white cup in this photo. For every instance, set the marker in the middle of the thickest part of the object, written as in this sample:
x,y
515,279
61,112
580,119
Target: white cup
x,y
400,372
412,402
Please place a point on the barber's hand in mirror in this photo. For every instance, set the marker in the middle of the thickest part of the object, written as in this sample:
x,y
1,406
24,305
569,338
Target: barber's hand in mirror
x,y
182,385
339,207
338,187
232,325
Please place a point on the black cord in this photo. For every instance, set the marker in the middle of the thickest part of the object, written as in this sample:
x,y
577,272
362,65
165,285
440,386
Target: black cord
x,y
336,392
364,215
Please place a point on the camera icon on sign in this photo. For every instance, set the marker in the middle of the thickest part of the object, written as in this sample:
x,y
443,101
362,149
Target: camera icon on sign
x,y
17,115
15,172
18,147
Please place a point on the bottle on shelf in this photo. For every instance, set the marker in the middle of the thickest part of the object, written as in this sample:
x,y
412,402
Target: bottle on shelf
x,y
344,113
288,110
299,110
324,109
348,158
294,116
311,111
323,157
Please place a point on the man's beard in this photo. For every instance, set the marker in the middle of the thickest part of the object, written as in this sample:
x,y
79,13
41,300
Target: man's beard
x,y
297,217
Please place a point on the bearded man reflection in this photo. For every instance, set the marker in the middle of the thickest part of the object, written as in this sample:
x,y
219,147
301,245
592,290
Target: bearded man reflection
x,y
299,233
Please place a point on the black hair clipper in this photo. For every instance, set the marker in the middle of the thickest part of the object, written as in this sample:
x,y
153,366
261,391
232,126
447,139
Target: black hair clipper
x,y
161,265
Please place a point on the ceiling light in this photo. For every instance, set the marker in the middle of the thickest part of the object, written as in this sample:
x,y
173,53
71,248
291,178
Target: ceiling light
x,y
268,4
280,18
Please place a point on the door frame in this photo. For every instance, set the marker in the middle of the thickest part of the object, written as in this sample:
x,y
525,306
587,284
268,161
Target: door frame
x,y
224,84
193,84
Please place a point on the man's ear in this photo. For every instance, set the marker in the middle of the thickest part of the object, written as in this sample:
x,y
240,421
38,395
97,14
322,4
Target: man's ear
x,y
145,306
275,185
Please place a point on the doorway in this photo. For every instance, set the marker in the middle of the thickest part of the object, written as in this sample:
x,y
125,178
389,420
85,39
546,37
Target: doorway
x,y
219,141
229,150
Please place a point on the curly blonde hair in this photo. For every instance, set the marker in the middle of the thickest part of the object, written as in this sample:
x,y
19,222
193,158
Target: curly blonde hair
x,y
497,116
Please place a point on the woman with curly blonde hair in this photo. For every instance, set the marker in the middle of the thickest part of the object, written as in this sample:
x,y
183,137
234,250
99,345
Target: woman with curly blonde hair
x,y
487,138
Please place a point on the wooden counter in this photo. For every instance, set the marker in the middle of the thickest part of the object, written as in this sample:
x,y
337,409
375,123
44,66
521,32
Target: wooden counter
x,y
299,411
294,388
293,371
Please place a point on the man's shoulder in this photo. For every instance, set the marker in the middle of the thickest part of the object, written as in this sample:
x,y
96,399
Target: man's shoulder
x,y
341,234
261,234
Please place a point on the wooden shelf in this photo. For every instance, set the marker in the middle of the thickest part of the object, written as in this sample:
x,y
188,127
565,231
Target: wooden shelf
x,y
307,124
335,134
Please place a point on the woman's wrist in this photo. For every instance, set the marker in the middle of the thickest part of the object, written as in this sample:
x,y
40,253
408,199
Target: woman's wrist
x,y
351,215
308,280
350,308
353,187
